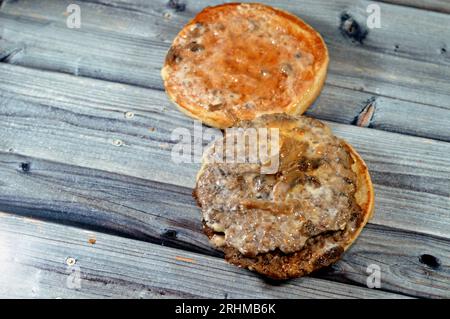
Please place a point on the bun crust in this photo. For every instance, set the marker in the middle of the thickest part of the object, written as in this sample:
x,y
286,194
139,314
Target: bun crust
x,y
235,61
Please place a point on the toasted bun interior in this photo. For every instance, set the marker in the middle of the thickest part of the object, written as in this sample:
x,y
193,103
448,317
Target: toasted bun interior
x,y
235,61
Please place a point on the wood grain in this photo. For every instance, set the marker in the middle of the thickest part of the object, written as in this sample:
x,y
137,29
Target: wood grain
x,y
156,20
345,106
334,104
129,206
433,5
116,267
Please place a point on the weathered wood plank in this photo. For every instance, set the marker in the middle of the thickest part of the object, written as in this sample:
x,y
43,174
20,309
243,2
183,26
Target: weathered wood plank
x,y
107,52
77,120
345,106
433,5
167,214
157,20
334,104
116,267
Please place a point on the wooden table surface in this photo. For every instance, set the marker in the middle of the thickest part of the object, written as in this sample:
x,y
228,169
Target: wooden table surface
x,y
88,189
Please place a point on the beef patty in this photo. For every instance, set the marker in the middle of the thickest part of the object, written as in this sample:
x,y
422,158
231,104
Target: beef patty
x,y
298,218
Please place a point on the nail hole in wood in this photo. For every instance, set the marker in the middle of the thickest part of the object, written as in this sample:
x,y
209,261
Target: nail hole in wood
x,y
430,261
25,167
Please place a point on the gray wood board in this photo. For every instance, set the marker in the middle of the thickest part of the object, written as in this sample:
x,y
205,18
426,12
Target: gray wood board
x,y
156,20
116,267
433,5
76,121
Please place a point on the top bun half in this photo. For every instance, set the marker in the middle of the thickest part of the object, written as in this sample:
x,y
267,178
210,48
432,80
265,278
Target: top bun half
x,y
236,61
